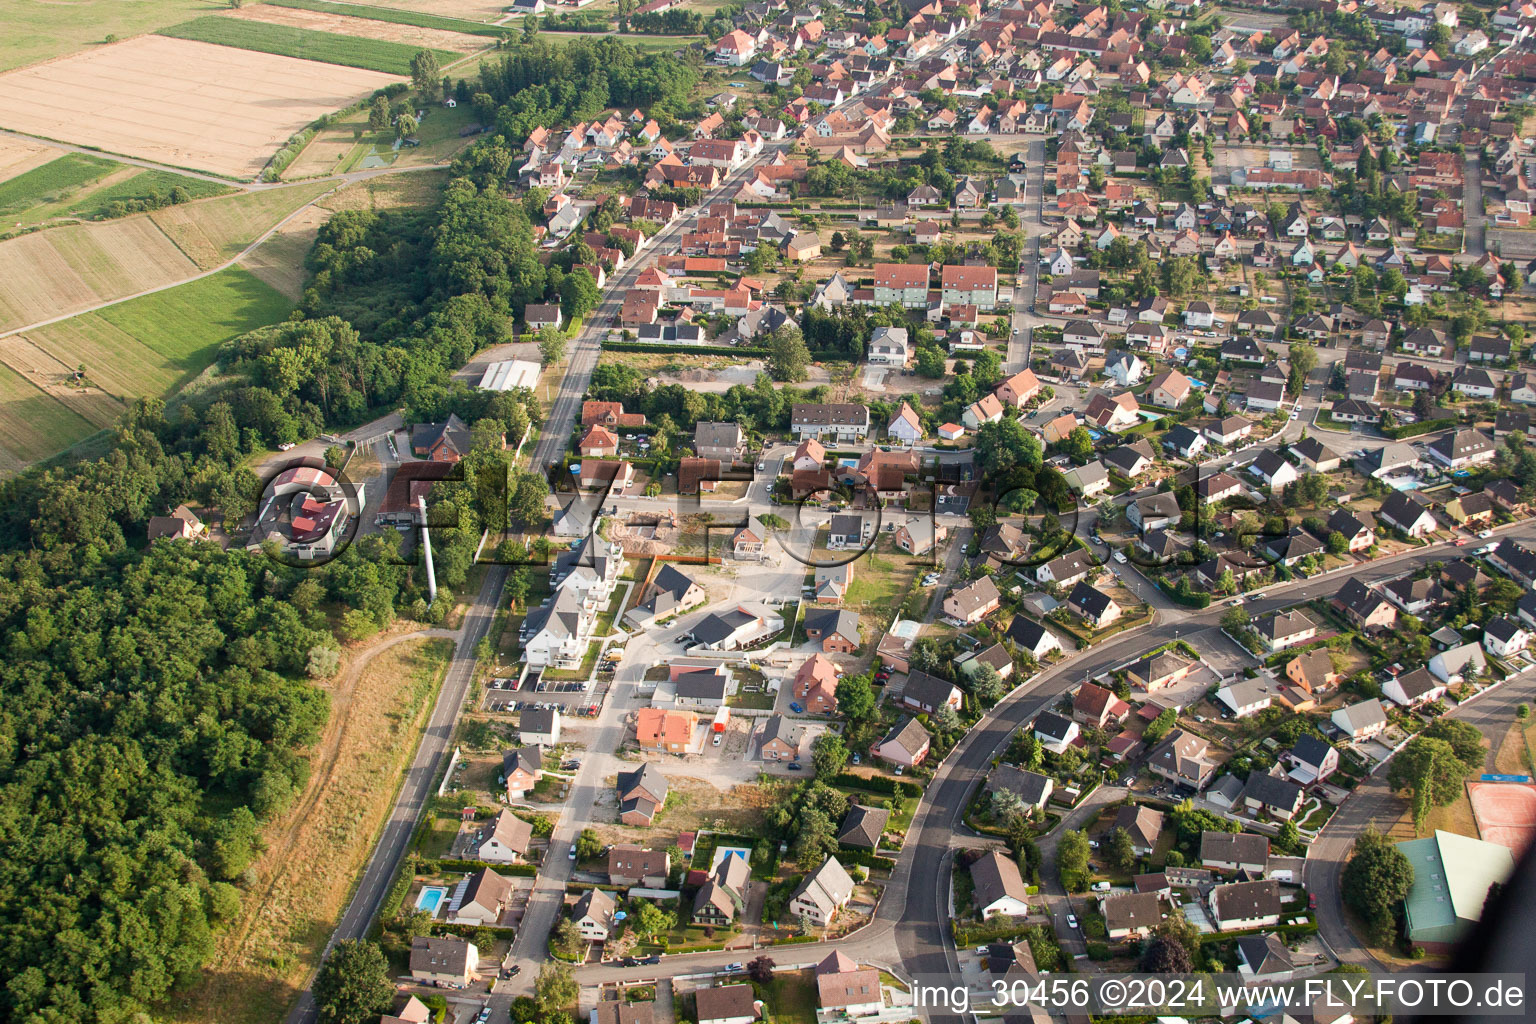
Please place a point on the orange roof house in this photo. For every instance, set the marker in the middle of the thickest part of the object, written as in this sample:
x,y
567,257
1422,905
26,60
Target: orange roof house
x,y
660,729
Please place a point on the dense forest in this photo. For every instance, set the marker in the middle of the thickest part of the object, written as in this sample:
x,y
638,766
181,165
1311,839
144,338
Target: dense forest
x,y
155,701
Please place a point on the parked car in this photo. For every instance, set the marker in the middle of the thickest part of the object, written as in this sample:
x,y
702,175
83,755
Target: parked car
x,y
735,966
857,758
795,766
796,708
1072,921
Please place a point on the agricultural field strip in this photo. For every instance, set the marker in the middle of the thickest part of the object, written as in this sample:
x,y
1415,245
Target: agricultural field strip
x,y
173,284
419,19
304,44
67,171
180,103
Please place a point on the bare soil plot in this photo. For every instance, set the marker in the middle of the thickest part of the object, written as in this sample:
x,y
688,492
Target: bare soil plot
x,y
17,156
365,27
179,102
280,259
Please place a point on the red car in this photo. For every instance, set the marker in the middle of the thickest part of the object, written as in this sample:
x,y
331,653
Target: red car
x,y
1312,900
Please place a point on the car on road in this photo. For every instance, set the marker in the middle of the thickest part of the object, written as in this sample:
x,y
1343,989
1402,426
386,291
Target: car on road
x,y
629,961
571,853
650,961
286,446
1311,901
1484,534
735,966
485,1014
795,766
1072,921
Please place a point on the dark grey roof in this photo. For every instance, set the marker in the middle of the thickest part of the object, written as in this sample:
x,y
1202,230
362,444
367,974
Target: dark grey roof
x,y
1090,599
1233,847
1052,725
833,620
862,826
1271,791
1310,749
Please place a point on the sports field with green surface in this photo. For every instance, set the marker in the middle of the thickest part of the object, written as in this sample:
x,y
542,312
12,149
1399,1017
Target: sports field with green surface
x,y
287,41
420,19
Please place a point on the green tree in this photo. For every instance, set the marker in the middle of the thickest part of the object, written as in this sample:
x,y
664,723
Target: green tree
x,y
649,920
788,356
1464,738
856,698
579,294
987,685
1376,881
828,755
405,126
426,76
1072,860
353,984
588,844
1303,359
929,362
1080,444
1429,770
378,113
1006,445
555,990
551,345
566,940
1122,851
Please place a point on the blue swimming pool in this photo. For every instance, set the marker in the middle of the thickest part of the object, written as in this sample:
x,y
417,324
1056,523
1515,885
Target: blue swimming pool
x,y
1196,383
430,898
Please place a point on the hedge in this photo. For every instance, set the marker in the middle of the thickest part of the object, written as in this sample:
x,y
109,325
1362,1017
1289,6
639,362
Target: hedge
x,y
865,858
444,866
707,350
1415,429
877,784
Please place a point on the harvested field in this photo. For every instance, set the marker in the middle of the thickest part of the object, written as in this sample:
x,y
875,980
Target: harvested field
x,y
289,41
379,703
146,346
18,156
32,422
413,35
180,102
280,260
214,233
51,272
67,269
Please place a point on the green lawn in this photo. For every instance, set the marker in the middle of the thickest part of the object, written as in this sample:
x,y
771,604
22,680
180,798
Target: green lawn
x,y
287,41
396,17
51,182
791,997
186,324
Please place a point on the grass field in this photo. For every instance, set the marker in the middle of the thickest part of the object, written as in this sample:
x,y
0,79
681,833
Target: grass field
x,y
349,144
187,324
36,30
147,346
51,182
86,187
32,422
420,19
68,269
214,232
348,51
378,708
